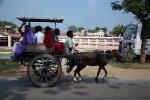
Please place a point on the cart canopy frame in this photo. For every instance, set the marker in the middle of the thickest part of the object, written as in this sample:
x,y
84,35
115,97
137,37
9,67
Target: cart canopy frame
x,y
29,19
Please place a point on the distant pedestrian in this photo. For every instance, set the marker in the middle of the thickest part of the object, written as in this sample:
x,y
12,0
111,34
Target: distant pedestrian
x,y
129,54
121,51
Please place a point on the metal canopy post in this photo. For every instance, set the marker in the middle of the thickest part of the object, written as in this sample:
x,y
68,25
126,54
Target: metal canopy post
x,y
55,24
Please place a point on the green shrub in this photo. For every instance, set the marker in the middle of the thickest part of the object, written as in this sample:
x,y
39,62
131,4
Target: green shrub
x,y
131,65
7,65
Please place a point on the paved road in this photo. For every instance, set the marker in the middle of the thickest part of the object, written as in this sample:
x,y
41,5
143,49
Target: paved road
x,y
114,88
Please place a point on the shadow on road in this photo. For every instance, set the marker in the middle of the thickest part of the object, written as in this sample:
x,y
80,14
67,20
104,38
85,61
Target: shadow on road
x,y
14,88
68,79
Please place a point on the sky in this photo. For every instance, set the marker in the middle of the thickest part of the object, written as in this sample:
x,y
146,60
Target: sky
x,y
85,13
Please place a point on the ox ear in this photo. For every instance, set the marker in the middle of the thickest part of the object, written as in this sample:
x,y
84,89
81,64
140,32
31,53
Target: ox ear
x,y
116,55
109,54
114,51
109,51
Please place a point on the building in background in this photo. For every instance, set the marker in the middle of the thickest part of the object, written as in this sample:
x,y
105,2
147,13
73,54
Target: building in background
x,y
7,29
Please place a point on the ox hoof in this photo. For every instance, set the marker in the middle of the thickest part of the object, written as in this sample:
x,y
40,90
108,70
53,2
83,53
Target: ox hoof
x,y
79,79
75,80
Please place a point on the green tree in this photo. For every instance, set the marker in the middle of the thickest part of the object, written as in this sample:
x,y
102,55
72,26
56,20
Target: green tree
x,y
80,29
141,10
104,29
73,28
97,29
91,31
118,30
4,23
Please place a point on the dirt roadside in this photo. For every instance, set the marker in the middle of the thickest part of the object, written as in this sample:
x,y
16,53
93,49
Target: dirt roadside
x,y
90,71
127,74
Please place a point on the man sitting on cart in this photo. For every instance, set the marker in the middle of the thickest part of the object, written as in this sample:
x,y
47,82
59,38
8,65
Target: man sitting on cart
x,y
39,35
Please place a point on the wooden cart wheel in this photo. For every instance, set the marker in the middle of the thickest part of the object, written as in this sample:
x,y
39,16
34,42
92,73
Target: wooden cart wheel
x,y
44,70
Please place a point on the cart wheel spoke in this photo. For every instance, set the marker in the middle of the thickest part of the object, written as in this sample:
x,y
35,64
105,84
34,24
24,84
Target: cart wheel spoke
x,y
48,75
44,70
41,79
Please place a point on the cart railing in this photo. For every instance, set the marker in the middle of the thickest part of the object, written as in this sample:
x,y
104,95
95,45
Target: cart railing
x,y
39,48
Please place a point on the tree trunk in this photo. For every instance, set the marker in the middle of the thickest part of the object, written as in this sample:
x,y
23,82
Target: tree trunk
x,y
142,52
143,44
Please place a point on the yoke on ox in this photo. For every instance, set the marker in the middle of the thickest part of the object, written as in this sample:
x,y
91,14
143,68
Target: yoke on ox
x,y
43,67
96,58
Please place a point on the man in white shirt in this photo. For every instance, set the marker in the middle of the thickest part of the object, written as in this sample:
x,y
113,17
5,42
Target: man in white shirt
x,y
69,43
39,35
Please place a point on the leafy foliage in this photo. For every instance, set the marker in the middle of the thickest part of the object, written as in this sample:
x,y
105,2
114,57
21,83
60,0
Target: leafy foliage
x,y
4,23
73,28
104,29
91,31
141,10
80,29
97,29
118,30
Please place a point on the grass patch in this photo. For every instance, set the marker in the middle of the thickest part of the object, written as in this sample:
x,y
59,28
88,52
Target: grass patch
x,y
134,65
5,55
5,50
7,66
131,65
